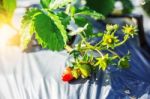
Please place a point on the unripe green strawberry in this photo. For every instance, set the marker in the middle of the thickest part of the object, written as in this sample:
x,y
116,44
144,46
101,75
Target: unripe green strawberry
x,y
76,73
85,70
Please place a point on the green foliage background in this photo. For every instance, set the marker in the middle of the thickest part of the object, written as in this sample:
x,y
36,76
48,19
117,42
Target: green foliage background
x,y
102,6
146,7
107,6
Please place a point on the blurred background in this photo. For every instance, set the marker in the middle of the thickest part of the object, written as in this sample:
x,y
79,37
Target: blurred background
x,y
106,7
22,4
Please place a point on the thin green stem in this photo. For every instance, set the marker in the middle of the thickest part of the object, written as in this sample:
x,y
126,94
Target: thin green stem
x,y
113,33
68,9
68,48
98,43
100,53
125,39
84,40
114,53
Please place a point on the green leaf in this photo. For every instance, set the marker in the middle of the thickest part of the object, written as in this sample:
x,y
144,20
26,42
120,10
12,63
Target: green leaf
x,y
27,26
146,8
65,19
85,70
102,62
127,6
45,3
124,61
79,45
72,10
81,22
50,32
59,3
28,17
91,57
26,36
78,30
102,6
85,58
75,53
75,73
99,34
88,12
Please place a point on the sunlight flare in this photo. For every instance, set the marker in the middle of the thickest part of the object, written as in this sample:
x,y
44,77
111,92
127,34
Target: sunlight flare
x,y
6,32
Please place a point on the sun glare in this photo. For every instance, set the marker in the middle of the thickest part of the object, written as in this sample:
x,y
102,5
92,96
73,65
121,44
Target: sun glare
x,y
6,32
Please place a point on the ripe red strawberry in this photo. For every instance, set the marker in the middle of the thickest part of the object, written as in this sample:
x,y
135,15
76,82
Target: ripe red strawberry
x,y
67,75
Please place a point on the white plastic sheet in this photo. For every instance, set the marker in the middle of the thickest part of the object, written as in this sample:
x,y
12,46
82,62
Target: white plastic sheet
x,y
37,75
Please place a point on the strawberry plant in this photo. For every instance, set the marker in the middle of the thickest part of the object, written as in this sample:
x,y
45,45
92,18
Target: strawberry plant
x,y
50,25
84,62
50,22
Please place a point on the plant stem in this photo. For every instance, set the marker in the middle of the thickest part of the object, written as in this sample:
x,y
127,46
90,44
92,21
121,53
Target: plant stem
x,y
98,43
90,47
84,40
68,48
68,9
125,39
113,33
100,53
114,53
